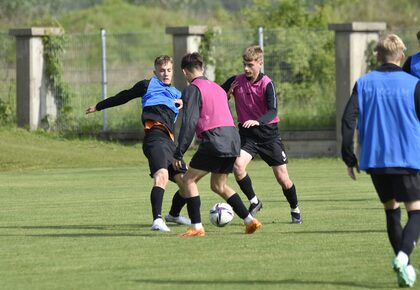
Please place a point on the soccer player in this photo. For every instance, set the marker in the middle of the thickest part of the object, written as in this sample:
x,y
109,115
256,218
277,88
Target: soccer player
x,y
206,112
412,64
160,108
386,104
256,107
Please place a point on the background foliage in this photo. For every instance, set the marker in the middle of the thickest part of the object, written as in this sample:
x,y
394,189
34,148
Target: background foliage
x,y
303,74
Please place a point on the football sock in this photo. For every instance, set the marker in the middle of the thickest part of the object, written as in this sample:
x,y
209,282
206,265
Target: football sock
x,y
178,203
295,210
394,228
291,197
411,232
402,257
238,206
248,219
245,184
197,226
254,200
193,207
156,199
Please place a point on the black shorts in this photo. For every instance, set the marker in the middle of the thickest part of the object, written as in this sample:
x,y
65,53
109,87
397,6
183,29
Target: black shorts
x,y
159,150
397,186
213,164
272,152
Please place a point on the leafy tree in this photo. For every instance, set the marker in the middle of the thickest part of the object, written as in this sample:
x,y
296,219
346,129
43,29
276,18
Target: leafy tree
x,y
299,57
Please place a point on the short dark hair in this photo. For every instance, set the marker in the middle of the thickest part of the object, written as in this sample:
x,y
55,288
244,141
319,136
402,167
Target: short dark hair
x,y
163,59
192,61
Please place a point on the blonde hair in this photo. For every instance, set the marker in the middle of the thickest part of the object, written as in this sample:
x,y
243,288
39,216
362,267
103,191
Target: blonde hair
x,y
163,59
390,48
253,53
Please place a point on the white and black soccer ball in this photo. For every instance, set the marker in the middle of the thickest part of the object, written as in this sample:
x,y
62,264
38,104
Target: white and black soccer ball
x,y
221,214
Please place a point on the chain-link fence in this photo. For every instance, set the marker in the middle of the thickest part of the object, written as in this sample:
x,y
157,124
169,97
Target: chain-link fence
x,y
129,58
7,78
299,61
301,64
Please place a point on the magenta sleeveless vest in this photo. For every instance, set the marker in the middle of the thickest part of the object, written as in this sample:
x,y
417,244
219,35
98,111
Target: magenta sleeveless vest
x,y
250,99
215,110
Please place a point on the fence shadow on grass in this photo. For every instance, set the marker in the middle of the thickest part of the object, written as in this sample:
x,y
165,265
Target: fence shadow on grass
x,y
118,230
262,282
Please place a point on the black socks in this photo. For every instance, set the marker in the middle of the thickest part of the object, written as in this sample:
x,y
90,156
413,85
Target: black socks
x,y
245,184
178,203
238,206
156,199
291,197
394,228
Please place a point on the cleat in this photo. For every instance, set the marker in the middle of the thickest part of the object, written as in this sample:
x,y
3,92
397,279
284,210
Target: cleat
x,y
177,219
159,225
193,233
254,208
296,218
252,227
406,274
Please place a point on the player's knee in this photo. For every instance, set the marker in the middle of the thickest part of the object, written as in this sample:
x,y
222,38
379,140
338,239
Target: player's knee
x,y
161,178
238,170
285,182
217,188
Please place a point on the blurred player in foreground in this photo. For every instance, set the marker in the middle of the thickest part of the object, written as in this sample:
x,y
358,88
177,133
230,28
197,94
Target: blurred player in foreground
x,y
386,104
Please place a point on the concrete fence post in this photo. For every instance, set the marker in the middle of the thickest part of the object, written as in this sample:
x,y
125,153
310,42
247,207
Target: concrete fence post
x,y
34,99
185,39
351,42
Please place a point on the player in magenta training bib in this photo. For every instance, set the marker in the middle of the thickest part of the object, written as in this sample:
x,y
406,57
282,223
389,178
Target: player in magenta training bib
x,y
207,114
256,107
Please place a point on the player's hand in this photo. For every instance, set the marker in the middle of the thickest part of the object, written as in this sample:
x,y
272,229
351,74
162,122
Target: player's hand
x,y
350,172
250,123
177,164
232,88
179,103
91,109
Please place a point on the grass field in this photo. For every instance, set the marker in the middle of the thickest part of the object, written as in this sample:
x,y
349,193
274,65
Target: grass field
x,y
76,215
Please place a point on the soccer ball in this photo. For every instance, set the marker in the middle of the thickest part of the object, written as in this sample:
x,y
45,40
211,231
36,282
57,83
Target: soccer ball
x,y
221,214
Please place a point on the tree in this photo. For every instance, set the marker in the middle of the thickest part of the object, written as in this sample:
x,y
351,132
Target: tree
x,y
299,56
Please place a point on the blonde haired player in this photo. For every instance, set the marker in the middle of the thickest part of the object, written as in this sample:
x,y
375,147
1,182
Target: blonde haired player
x,y
386,105
256,107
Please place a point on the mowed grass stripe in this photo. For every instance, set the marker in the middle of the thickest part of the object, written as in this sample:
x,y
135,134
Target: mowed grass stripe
x,y
85,224
93,233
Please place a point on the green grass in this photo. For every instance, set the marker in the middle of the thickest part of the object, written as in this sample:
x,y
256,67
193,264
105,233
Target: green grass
x,y
85,225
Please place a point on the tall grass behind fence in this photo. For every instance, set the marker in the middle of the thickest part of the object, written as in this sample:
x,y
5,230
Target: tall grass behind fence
x,y
129,59
7,78
299,61
301,65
